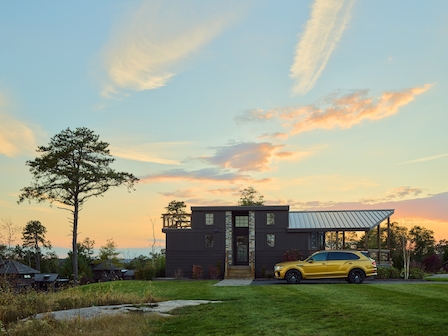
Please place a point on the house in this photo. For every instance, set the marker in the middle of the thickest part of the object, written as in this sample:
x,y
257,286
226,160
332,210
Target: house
x,y
106,270
46,281
245,241
17,273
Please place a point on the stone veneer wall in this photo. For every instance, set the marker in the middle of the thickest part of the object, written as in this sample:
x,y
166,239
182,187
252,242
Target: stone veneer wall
x,y
229,238
252,238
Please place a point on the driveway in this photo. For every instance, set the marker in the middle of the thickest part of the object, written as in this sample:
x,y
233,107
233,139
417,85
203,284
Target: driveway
x,y
262,282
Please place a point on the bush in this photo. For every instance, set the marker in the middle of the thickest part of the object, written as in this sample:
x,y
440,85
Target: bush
x,y
432,263
388,273
197,272
147,272
416,273
291,255
214,272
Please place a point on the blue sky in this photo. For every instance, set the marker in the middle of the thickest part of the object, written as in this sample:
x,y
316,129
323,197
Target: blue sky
x,y
317,104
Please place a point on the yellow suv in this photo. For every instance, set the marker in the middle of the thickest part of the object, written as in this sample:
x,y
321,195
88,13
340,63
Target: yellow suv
x,y
353,266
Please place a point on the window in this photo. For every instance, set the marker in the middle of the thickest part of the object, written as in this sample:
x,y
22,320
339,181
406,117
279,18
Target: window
x,y
320,256
314,240
342,256
209,240
270,218
209,219
270,238
241,221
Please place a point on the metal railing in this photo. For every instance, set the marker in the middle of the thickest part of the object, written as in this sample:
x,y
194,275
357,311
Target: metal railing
x,y
176,221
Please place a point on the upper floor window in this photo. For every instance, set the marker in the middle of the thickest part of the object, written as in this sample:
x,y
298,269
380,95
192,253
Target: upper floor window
x,y
209,219
241,221
270,218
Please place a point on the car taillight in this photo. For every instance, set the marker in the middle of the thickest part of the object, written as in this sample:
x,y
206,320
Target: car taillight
x,y
374,263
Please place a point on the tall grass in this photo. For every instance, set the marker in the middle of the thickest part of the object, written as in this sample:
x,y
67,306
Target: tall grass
x,y
18,305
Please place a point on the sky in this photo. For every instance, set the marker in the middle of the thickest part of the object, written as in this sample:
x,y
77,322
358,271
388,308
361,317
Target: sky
x,y
325,104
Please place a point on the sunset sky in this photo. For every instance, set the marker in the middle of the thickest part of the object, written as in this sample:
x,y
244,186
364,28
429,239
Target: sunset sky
x,y
320,104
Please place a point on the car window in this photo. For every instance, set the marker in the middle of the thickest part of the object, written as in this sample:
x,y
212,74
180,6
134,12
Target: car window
x,y
352,256
320,256
342,256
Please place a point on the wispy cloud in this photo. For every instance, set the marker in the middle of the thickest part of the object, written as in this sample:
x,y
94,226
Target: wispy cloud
x,y
329,18
428,158
201,175
146,152
343,111
394,195
16,138
144,53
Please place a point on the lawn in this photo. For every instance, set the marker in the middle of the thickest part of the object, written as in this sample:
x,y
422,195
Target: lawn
x,y
305,309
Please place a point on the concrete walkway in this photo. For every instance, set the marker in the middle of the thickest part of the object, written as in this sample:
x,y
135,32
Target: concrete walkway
x,y
234,282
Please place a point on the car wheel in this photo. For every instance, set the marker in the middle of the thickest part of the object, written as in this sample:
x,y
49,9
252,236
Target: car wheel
x,y
356,276
293,276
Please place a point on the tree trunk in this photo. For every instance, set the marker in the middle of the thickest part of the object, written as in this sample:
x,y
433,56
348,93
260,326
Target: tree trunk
x,y
74,243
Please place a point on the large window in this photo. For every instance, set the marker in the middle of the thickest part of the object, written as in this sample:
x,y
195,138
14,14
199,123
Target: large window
x,y
209,219
270,238
270,218
209,240
241,221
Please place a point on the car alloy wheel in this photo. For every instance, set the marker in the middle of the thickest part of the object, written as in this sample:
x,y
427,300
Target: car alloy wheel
x,y
356,276
293,276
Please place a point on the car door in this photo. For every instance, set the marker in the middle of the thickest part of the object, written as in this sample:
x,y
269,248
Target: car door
x,y
315,266
339,263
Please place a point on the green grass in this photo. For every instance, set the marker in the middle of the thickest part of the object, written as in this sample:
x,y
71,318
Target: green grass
x,y
305,309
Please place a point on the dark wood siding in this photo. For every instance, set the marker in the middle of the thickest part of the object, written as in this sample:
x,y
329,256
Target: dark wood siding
x,y
187,247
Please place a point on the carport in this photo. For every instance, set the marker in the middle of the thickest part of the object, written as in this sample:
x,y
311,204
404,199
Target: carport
x,y
342,221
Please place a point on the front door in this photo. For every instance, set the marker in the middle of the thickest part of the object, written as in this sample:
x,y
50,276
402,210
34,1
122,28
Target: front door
x,y
241,238
242,250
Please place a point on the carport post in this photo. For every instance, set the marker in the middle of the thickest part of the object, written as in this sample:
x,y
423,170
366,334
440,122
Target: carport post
x,y
379,244
366,240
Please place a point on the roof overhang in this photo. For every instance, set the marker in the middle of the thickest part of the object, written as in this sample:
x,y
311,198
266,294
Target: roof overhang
x,y
337,220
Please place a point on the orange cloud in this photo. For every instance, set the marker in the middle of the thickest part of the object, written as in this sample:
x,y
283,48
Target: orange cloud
x,y
248,156
351,109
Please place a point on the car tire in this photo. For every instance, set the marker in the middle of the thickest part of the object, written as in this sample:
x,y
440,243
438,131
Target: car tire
x,y
356,276
293,276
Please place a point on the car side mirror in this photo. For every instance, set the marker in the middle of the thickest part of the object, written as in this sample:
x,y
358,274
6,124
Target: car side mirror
x,y
310,261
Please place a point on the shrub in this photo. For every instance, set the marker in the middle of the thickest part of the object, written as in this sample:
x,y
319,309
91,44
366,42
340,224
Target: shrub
x,y
214,272
291,255
432,263
416,273
388,273
148,272
197,272
178,274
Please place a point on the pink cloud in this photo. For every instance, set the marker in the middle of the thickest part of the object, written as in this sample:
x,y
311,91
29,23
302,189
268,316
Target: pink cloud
x,y
244,157
351,109
206,174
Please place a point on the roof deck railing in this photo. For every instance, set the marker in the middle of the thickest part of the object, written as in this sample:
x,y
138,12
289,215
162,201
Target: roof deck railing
x,y
176,221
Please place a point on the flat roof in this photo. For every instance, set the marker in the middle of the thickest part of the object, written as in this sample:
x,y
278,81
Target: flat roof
x,y
337,220
242,208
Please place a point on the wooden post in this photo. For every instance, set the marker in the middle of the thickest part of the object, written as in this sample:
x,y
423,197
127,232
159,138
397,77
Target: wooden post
x,y
366,240
337,240
388,239
379,244
343,239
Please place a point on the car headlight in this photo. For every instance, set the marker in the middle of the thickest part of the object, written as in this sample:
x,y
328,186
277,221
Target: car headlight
x,y
277,268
